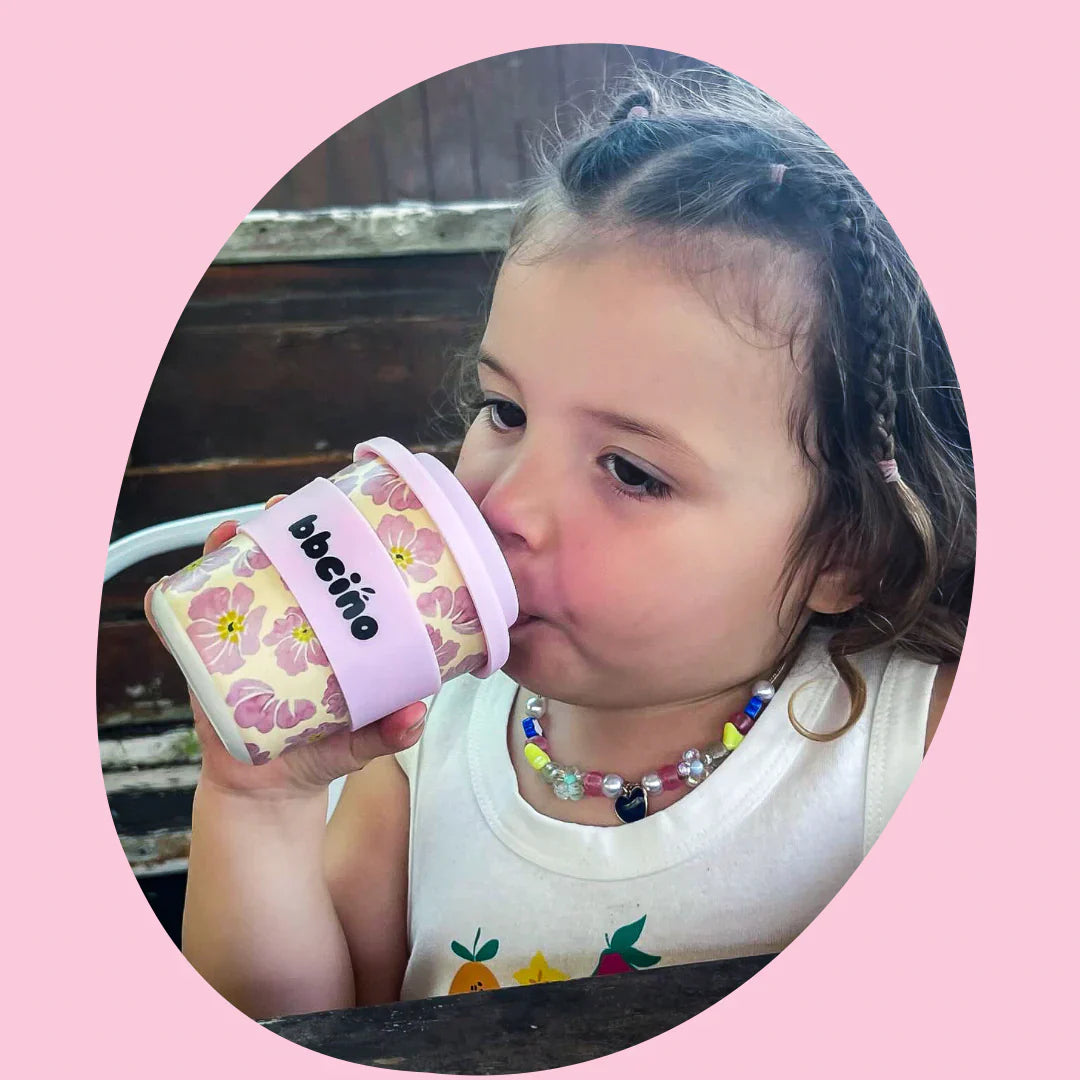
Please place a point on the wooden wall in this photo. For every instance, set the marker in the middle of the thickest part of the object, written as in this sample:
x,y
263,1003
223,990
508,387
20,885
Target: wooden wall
x,y
462,134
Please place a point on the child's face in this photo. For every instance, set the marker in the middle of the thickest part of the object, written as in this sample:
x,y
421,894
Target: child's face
x,y
640,602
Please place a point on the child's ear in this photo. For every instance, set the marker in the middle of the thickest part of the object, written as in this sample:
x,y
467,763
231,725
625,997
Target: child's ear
x,y
833,592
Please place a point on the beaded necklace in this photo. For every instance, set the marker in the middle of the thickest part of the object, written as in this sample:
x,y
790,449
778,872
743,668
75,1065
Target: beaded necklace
x,y
631,798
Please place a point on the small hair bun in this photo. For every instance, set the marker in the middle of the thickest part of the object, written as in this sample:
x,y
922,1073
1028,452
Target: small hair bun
x,y
636,105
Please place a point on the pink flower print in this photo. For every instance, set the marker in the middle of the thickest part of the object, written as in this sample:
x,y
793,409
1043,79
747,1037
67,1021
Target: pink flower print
x,y
254,705
297,645
195,575
445,651
312,735
334,699
346,479
258,757
415,551
250,561
385,486
223,627
457,606
470,664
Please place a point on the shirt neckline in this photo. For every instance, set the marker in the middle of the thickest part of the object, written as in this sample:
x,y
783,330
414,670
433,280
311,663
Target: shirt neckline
x,y
706,815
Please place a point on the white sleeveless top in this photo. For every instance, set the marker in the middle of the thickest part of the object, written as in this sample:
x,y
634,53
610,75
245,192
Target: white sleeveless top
x,y
500,894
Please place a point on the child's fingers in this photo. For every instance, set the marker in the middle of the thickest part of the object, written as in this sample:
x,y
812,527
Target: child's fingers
x,y
349,752
219,535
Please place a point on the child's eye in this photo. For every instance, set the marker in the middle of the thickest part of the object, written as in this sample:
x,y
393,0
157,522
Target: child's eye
x,y
647,487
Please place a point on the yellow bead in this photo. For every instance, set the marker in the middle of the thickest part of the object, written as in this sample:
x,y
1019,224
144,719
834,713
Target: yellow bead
x,y
535,756
731,736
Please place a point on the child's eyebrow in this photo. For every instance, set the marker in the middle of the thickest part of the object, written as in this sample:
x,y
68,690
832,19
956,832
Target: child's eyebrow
x,y
617,420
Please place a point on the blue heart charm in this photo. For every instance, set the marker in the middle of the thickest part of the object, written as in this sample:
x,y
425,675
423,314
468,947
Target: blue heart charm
x,y
632,804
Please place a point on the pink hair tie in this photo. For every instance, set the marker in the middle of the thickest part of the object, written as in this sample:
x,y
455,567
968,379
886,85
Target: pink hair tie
x,y
889,470
777,172
638,110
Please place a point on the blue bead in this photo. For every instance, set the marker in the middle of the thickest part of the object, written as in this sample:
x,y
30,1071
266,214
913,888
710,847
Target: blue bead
x,y
753,707
530,727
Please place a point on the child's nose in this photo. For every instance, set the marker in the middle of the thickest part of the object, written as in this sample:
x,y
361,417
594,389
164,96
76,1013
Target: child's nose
x,y
520,505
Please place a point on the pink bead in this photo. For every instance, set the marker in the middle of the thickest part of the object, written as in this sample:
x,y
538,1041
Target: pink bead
x,y
743,723
669,774
593,783
539,740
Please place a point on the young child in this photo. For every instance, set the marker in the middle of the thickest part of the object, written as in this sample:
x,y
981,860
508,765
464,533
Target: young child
x,y
715,429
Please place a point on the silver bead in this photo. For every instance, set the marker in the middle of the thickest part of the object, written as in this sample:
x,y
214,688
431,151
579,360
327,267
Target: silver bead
x,y
691,755
561,790
577,792
693,781
536,706
613,785
683,769
652,783
763,689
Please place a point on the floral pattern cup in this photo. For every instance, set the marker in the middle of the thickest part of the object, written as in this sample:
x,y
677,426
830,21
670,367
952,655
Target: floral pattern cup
x,y
255,661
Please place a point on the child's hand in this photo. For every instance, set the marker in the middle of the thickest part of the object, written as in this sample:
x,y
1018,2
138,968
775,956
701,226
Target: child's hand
x,y
305,769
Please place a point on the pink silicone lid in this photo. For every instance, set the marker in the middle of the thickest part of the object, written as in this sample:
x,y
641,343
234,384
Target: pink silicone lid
x,y
469,539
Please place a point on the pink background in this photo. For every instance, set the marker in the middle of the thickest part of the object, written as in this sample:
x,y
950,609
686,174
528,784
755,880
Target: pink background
x,y
949,945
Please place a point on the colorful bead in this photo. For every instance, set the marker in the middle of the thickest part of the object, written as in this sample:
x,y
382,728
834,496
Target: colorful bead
x,y
531,727
697,769
593,783
540,741
683,769
691,755
732,736
669,777
535,756
753,707
744,723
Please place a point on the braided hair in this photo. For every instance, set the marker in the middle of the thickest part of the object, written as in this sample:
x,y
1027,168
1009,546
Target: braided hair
x,y
704,167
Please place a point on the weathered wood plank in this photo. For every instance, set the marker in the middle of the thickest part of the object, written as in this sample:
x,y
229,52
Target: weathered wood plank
x,y
136,677
452,135
524,1028
163,851
173,746
496,106
136,812
286,390
276,292
402,228
164,779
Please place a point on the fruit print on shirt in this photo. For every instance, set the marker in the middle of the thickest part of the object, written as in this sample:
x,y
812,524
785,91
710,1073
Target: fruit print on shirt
x,y
474,974
620,955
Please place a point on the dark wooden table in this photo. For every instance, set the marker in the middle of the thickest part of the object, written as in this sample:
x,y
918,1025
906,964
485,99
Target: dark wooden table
x,y
520,1028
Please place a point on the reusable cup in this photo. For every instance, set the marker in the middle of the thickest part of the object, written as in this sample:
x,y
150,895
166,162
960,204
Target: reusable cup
x,y
347,600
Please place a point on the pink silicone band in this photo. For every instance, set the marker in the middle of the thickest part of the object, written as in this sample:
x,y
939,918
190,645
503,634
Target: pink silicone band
x,y
396,665
489,609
